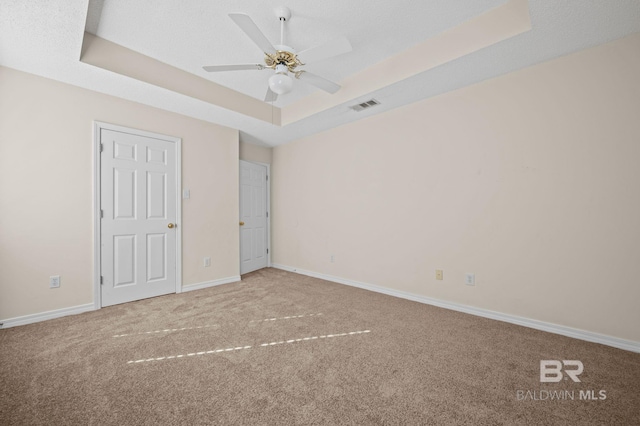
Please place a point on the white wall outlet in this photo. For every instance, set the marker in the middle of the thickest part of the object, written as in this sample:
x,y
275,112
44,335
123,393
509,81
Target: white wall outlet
x,y
439,274
470,279
54,281
207,262
333,259
186,193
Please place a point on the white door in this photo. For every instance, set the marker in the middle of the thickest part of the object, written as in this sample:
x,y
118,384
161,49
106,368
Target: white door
x,y
253,217
139,209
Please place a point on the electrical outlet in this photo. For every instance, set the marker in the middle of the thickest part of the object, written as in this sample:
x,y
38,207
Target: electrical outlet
x,y
439,274
207,262
54,281
186,194
333,259
470,279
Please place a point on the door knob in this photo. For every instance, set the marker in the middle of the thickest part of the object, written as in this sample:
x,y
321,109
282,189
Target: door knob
x,y
171,225
241,223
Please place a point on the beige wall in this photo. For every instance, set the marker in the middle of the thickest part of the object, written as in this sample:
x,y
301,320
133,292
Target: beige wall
x,y
46,189
529,180
255,153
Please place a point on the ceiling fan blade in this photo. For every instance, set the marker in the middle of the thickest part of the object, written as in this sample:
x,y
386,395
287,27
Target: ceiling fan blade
x,y
330,49
271,96
241,67
247,25
319,82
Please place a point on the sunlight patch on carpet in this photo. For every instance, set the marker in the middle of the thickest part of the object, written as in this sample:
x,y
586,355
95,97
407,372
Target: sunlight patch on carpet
x,y
263,345
166,330
325,336
172,330
189,354
286,318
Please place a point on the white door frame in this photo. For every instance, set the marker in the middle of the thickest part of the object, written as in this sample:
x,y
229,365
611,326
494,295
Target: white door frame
x,y
97,186
268,166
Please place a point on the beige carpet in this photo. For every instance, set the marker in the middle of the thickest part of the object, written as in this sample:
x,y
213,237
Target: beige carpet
x,y
281,348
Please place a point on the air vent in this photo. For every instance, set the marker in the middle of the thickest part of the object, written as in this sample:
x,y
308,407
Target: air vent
x,y
364,105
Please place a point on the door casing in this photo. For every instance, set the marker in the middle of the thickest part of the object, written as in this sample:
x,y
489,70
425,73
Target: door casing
x,y
97,188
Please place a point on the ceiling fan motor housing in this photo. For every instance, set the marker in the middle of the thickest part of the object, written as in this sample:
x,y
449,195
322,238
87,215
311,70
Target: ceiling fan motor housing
x,y
283,56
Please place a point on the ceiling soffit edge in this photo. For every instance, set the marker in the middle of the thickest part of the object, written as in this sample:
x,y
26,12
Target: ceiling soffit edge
x,y
496,25
110,56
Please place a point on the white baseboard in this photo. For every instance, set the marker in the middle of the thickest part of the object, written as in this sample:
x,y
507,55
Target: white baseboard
x,y
588,336
43,316
213,283
58,313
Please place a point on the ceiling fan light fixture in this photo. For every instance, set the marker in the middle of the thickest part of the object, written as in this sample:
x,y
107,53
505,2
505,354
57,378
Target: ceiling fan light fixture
x,y
280,83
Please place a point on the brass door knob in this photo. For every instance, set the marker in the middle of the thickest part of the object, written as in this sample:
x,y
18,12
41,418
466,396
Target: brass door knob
x,y
171,225
241,223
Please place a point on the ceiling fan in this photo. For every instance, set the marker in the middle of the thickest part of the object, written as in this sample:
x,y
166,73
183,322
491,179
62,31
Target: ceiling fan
x,y
283,59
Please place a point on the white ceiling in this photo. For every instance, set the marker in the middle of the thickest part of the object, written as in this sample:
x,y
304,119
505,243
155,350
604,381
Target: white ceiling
x,y
45,38
203,33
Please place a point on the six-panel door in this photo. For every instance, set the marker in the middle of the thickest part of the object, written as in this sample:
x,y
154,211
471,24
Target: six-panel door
x,y
138,202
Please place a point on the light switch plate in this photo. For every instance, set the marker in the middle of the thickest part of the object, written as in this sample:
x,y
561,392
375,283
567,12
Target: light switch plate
x,y
54,281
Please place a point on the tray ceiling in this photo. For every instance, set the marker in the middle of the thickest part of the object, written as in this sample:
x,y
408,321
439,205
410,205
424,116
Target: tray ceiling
x,y
403,51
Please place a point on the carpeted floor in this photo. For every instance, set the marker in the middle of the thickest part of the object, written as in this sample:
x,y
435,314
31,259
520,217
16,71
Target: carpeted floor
x,y
281,348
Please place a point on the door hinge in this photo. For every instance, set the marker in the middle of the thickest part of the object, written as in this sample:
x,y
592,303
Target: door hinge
x,y
267,214
101,280
267,251
267,177
101,213
101,147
